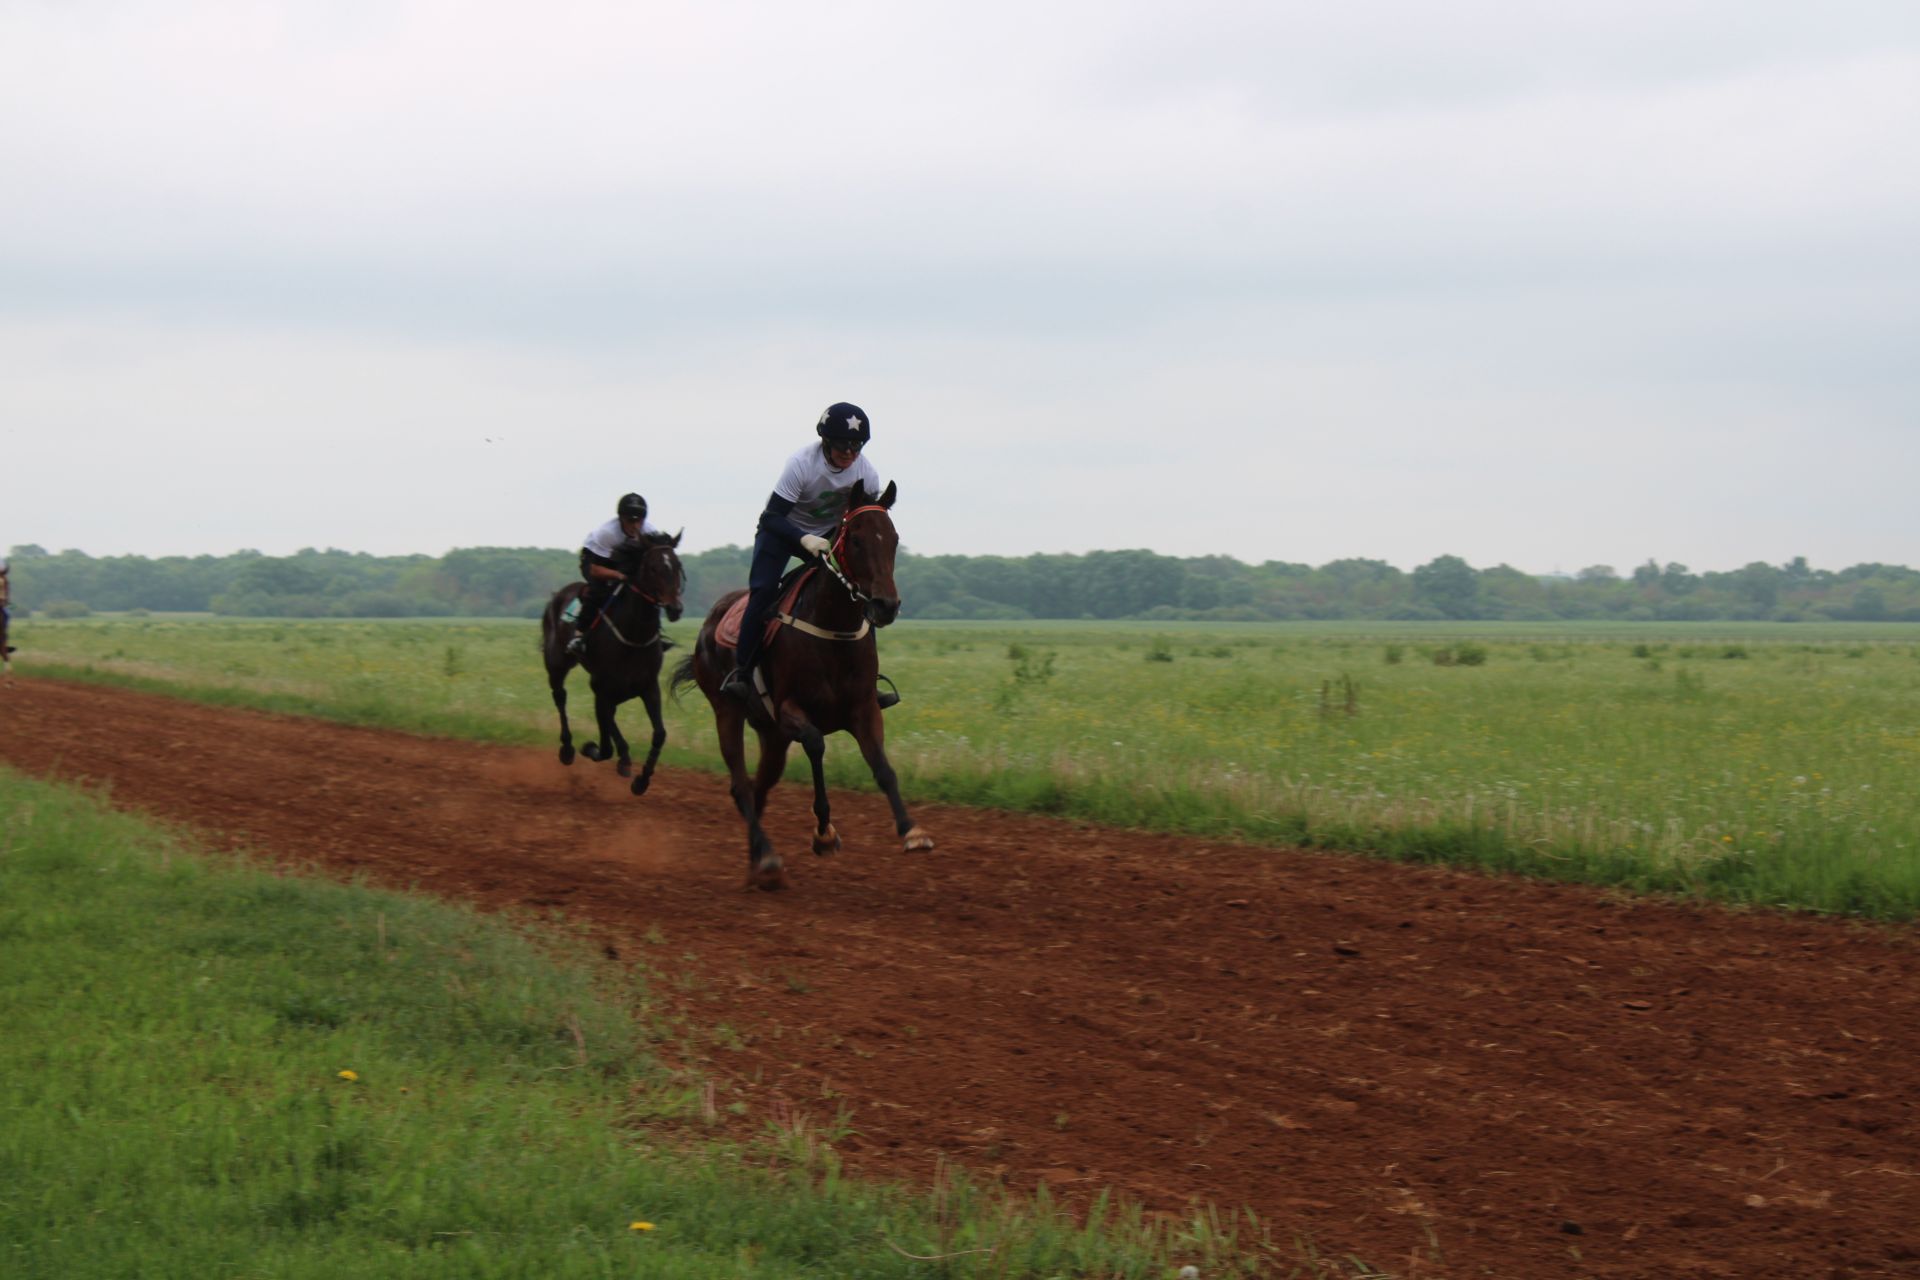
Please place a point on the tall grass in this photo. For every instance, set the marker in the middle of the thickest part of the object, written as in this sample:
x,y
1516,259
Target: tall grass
x,y
1764,763
215,1071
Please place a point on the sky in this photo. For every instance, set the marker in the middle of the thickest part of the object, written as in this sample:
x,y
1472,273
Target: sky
x,y
1544,285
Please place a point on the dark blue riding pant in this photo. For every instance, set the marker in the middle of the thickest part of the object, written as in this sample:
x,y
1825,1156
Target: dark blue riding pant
x,y
770,556
594,598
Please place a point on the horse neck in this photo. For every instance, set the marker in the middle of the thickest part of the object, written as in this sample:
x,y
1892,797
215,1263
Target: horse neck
x,y
827,605
638,619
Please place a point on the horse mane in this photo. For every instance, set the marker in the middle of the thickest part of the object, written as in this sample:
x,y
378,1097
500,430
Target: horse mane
x,y
656,539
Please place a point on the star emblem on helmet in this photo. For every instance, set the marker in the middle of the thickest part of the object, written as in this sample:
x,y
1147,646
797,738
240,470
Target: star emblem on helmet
x,y
854,424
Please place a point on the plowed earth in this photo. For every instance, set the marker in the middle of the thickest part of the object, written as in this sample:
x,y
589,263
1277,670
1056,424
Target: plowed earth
x,y
1444,1074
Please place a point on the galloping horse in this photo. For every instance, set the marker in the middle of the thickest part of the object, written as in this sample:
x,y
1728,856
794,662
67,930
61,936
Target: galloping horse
x,y
623,650
818,678
6,650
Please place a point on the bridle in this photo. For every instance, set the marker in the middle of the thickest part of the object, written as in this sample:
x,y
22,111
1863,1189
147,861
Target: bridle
x,y
831,561
606,613
679,569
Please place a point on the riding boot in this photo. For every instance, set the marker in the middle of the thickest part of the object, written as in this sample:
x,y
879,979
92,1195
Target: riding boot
x,y
589,613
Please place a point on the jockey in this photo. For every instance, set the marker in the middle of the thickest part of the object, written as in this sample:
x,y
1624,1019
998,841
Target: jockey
x,y
596,562
805,506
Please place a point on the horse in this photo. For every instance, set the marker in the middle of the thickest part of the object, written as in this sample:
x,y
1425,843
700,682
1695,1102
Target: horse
x,y
6,650
624,650
817,676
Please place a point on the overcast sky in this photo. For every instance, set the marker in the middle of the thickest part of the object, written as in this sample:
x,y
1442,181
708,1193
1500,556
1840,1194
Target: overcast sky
x,y
1552,285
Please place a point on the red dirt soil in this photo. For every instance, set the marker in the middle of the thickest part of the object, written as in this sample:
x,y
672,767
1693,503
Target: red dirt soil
x,y
1444,1074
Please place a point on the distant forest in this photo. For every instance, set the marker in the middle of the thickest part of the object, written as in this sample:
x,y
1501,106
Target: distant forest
x,y
516,582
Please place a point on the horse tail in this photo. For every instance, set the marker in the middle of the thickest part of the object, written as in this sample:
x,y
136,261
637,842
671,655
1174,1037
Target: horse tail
x,y
682,676
550,616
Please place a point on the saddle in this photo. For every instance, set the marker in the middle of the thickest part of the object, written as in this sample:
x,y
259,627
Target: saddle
x,y
728,632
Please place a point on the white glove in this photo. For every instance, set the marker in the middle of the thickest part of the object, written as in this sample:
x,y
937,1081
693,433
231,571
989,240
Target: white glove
x,y
815,544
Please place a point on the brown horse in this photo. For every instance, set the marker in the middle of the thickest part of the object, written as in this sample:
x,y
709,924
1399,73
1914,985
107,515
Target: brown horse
x,y
819,676
623,653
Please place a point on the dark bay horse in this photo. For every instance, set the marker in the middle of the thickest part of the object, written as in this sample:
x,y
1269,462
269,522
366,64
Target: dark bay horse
x,y
819,674
624,650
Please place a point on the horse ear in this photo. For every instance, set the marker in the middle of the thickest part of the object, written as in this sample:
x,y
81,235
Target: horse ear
x,y
678,536
858,496
893,490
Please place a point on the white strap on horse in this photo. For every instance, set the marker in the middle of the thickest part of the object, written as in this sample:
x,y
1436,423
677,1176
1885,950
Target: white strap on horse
x,y
631,644
801,624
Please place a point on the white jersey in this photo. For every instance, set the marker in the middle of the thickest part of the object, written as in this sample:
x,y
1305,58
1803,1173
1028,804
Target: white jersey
x,y
607,538
818,492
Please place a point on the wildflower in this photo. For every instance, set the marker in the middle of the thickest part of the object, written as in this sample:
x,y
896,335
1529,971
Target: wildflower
x,y
349,1075
639,1226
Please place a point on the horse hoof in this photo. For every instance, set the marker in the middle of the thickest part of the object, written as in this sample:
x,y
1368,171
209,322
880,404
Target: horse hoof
x,y
769,874
639,785
591,750
625,769
566,755
826,842
918,841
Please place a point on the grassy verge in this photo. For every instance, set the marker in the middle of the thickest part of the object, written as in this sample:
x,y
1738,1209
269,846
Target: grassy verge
x,y
1758,764
217,1071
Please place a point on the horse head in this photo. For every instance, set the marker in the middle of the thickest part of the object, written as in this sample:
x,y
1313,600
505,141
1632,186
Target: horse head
x,y
865,550
653,566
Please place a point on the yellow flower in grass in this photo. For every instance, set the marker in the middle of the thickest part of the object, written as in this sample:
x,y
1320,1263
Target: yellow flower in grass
x,y
349,1075
639,1226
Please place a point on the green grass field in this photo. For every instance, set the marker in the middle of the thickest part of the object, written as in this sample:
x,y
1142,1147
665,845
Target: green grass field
x,y
1755,763
216,1070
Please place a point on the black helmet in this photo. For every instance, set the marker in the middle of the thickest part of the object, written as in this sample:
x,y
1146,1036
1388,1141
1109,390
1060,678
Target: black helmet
x,y
845,421
632,507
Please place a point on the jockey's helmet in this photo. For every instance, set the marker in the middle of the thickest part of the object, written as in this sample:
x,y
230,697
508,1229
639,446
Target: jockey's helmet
x,y
632,507
846,422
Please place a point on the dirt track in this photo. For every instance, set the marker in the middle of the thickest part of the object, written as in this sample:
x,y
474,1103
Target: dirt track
x,y
1444,1074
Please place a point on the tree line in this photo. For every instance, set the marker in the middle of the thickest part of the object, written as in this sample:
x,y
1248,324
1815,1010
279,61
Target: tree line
x,y
517,581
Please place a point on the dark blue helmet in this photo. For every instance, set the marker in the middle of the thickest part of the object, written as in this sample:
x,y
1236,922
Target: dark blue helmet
x,y
845,421
632,507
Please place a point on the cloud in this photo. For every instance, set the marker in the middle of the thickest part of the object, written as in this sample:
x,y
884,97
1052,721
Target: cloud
x,y
1386,279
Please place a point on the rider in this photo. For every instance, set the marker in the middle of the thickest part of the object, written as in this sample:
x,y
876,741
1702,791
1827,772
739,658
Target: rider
x,y
596,562
806,504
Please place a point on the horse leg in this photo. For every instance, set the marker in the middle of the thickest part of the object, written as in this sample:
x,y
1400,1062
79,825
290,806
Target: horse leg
x,y
825,839
650,695
615,741
870,732
773,767
600,748
557,681
764,869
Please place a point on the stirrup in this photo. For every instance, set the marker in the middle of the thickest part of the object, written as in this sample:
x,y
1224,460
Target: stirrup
x,y
738,684
889,696
577,645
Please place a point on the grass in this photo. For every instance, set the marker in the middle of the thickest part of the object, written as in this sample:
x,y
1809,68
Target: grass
x,y
214,1070
1765,764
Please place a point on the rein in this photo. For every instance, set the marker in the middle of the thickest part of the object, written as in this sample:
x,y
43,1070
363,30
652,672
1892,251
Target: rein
x,y
830,562
606,611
